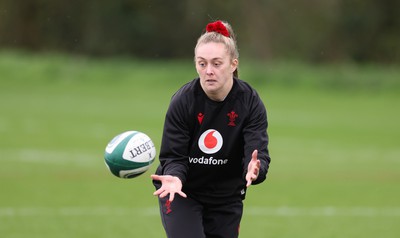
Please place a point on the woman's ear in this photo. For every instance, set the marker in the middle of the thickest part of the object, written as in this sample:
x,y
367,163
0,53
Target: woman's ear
x,y
234,64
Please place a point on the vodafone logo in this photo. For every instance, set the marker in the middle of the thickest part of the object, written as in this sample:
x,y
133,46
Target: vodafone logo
x,y
210,141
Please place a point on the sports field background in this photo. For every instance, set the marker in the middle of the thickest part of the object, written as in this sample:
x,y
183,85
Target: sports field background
x,y
334,142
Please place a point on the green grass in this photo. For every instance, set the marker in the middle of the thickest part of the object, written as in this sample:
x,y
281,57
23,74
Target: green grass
x,y
334,141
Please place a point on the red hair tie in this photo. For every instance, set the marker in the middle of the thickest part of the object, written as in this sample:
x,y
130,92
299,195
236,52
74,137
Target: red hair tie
x,y
218,27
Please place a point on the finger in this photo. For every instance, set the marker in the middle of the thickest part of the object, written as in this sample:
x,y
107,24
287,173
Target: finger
x,y
155,177
248,182
159,191
171,197
250,178
254,155
156,193
182,194
164,194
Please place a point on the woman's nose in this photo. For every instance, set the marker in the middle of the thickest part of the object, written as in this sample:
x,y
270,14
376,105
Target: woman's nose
x,y
209,70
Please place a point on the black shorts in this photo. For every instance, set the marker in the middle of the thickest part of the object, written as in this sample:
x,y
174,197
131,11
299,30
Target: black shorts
x,y
186,217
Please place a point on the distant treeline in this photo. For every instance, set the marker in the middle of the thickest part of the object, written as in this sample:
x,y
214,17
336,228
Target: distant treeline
x,y
312,30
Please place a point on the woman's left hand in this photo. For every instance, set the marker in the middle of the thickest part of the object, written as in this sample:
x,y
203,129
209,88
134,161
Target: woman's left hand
x,y
253,168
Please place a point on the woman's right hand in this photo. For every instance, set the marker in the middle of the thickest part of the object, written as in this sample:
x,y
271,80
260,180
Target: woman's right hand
x,y
169,185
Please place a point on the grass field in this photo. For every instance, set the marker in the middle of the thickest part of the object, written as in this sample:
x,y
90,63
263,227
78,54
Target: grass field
x,y
334,141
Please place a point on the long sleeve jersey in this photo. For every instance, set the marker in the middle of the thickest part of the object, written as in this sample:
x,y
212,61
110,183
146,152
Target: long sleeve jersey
x,y
208,144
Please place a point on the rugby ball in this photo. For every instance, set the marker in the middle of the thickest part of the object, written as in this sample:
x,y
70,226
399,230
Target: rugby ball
x,y
129,154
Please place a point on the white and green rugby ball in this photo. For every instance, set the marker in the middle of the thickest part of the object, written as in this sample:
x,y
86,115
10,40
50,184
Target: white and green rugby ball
x,y
129,154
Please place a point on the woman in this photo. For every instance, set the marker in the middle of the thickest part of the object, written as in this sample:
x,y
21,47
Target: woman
x,y
214,144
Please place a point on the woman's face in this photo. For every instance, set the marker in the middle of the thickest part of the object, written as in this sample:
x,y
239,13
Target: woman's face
x,y
215,68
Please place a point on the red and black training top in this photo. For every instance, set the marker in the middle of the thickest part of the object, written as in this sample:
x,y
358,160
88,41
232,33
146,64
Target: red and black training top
x,y
208,144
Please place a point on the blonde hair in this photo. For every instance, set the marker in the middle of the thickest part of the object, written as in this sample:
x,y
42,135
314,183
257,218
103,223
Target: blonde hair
x,y
229,42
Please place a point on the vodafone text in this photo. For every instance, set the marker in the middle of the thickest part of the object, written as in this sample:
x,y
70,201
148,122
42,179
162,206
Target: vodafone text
x,y
208,161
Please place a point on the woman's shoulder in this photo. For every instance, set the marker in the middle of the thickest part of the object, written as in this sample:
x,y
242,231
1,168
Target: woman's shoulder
x,y
187,89
185,95
245,89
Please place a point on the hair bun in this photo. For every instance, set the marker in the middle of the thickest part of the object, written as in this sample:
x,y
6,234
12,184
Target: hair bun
x,y
219,27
